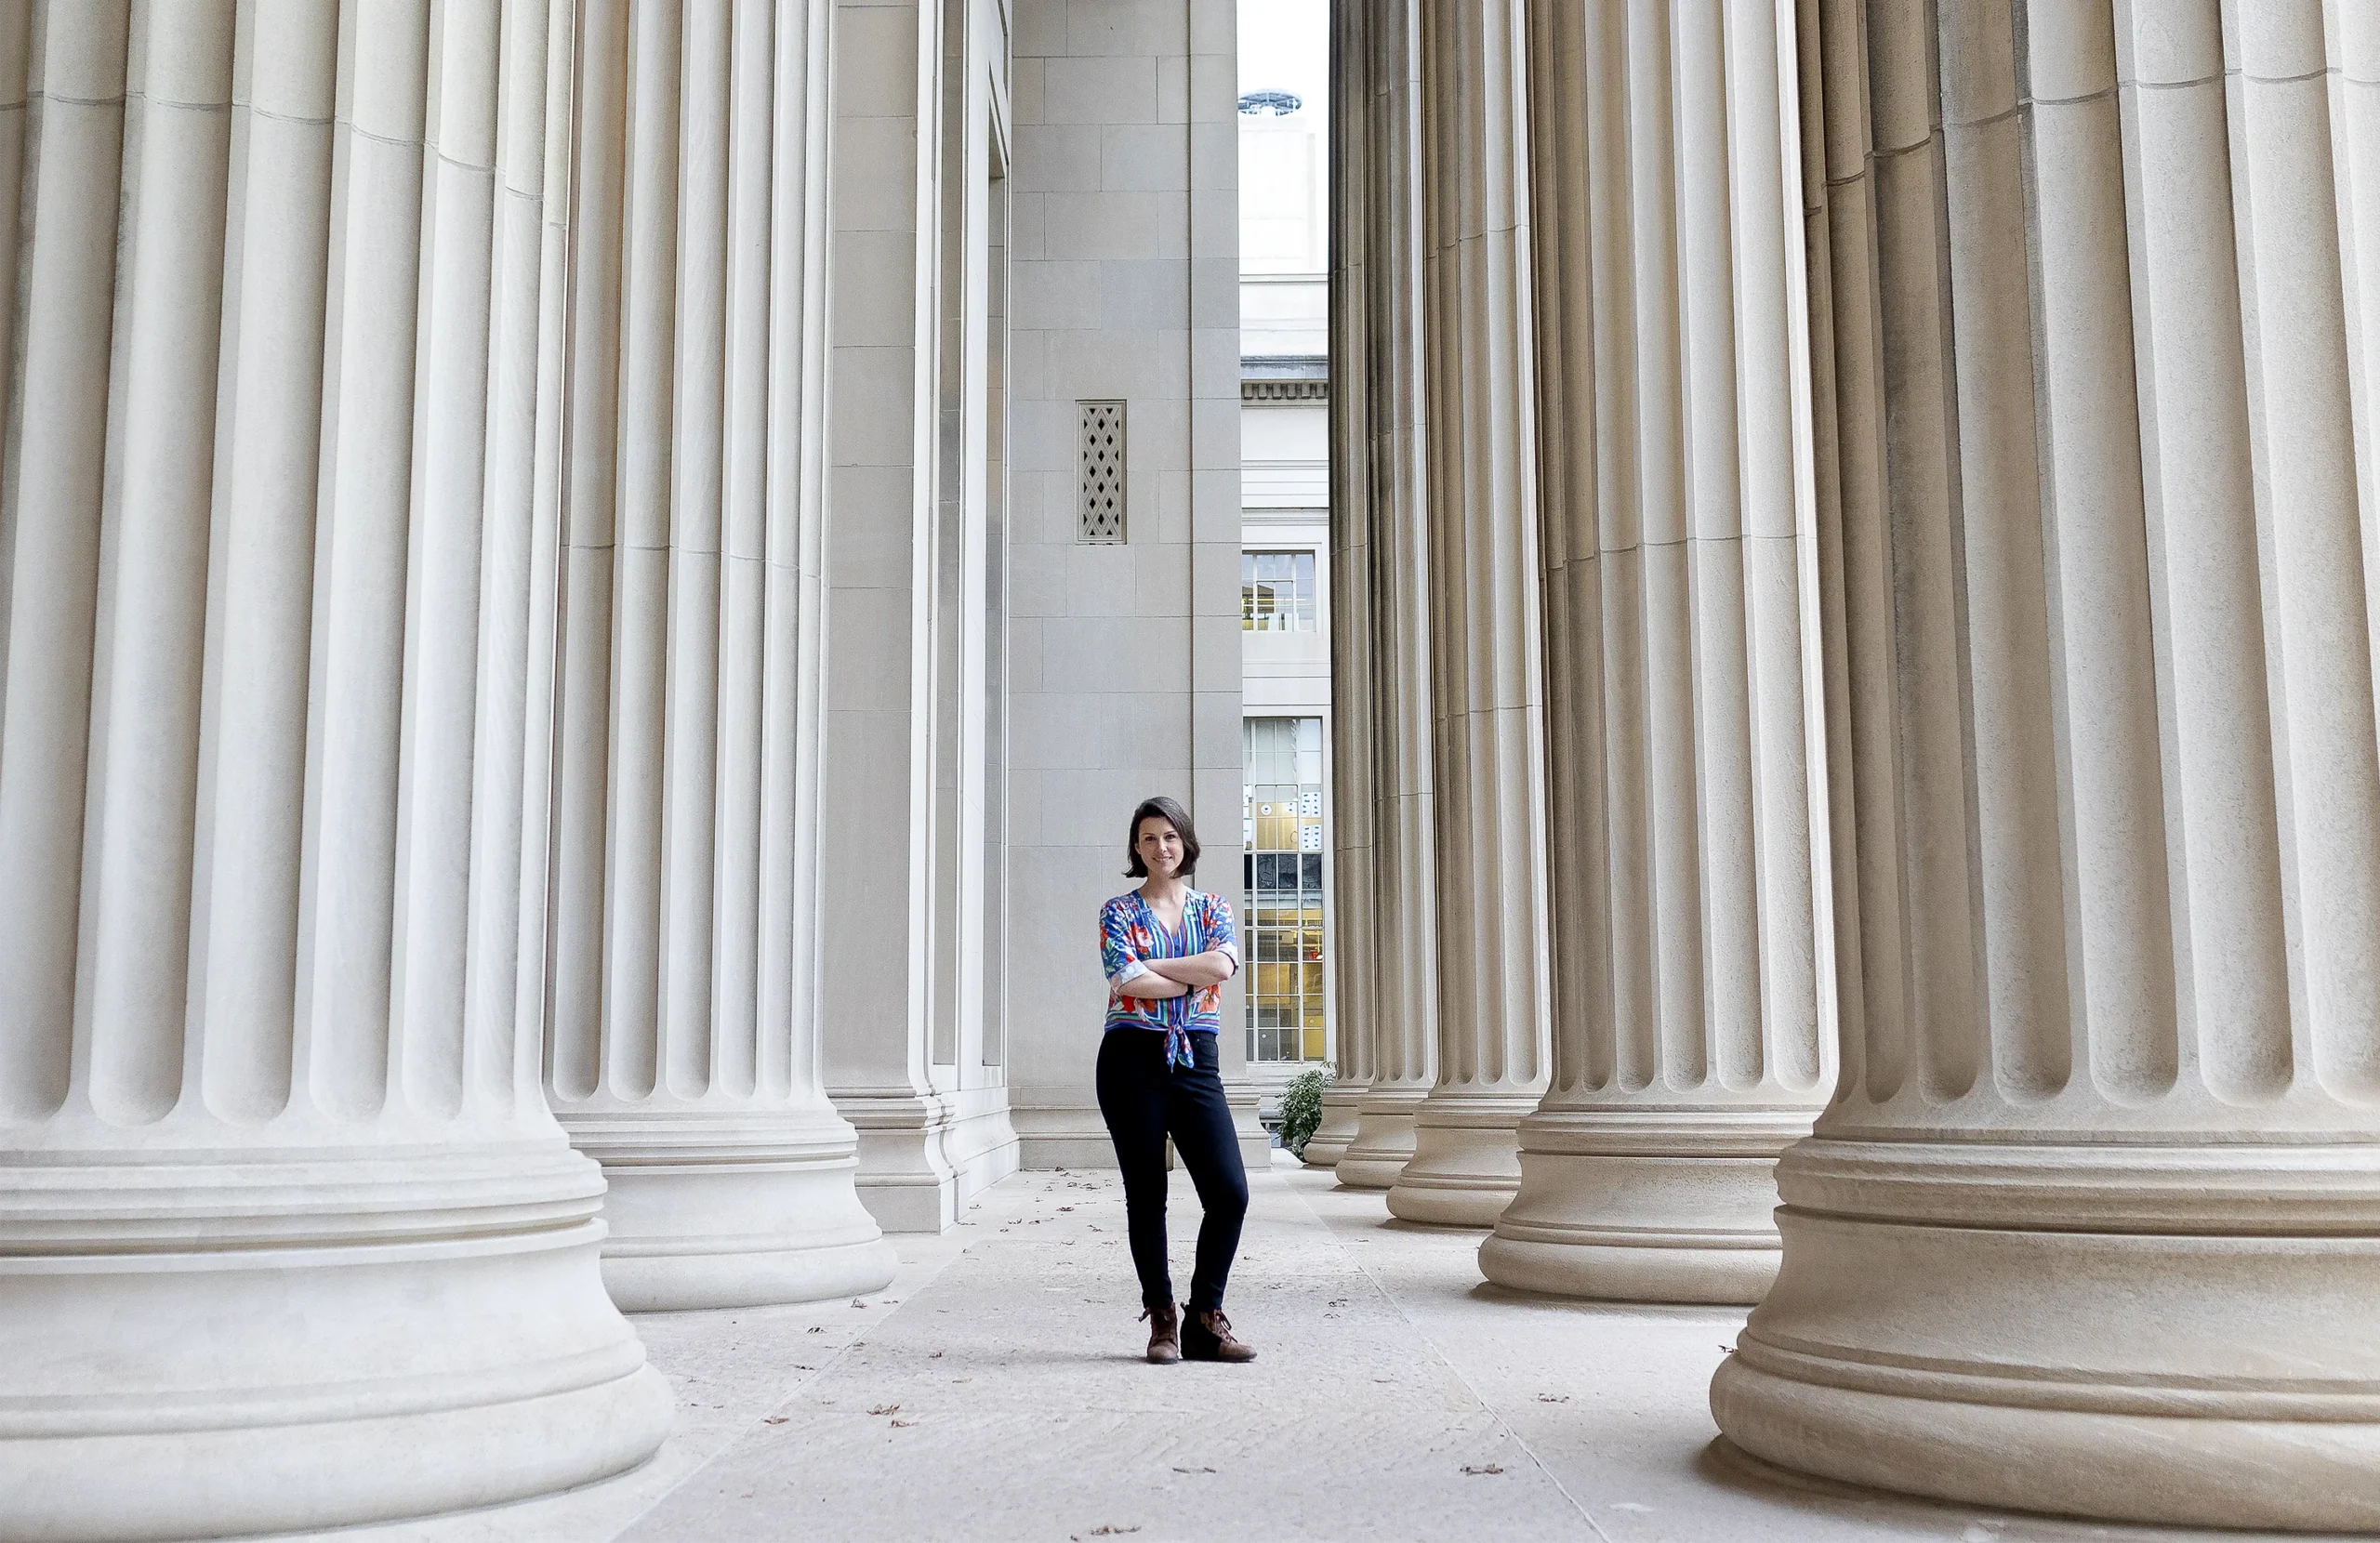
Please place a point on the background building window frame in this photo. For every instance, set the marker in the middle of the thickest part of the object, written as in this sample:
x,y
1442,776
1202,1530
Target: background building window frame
x,y
1284,884
1280,590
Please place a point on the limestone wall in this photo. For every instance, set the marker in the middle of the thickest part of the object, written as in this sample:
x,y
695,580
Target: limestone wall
x,y
1123,668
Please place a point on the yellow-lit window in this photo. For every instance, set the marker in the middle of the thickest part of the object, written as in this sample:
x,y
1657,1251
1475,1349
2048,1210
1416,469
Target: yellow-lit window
x,y
1282,920
1278,593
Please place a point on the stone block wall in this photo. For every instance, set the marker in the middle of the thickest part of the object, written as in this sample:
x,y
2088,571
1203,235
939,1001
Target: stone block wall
x,y
1124,658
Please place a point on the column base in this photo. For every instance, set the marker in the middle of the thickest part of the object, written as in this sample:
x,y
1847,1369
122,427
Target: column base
x,y
1383,1140
744,1209
1342,1103
2162,1335
903,1180
1466,1160
215,1347
1061,1136
980,1144
1653,1206
1255,1142
923,1154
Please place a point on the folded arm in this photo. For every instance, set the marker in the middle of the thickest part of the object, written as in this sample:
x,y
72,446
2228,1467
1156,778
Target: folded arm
x,y
1212,968
1134,976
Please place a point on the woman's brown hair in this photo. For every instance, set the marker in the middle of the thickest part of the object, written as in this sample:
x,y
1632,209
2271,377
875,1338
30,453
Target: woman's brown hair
x,y
1161,808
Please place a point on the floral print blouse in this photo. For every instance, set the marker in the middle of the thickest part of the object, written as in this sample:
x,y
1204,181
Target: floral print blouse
x,y
1130,932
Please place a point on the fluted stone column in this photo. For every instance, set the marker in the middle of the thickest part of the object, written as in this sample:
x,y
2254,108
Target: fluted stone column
x,y
1404,865
289,1238
2094,1223
911,542
684,1041
1486,737
1678,533
1354,749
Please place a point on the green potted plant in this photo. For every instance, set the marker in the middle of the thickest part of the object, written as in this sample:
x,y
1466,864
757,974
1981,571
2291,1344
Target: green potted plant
x,y
1301,1109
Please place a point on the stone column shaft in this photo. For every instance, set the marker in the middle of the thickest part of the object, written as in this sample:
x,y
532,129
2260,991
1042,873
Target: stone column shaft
x,y
1486,730
916,1057
1354,759
284,1196
2092,1222
1403,861
1678,535
684,1022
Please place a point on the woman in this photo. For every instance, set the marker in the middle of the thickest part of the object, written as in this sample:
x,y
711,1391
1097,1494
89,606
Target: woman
x,y
1168,949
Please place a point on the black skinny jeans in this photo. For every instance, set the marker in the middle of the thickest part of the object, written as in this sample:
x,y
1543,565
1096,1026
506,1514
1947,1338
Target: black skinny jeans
x,y
1144,1101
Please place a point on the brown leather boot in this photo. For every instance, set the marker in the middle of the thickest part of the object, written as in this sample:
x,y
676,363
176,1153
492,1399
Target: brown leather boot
x,y
1208,1337
1165,1333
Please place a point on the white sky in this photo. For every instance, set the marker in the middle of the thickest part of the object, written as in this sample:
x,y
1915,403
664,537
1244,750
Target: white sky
x,y
1285,46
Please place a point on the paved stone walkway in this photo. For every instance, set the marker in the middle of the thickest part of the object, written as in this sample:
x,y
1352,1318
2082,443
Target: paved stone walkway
x,y
996,1392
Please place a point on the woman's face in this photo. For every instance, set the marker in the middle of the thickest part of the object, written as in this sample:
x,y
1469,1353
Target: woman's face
x,y
1159,846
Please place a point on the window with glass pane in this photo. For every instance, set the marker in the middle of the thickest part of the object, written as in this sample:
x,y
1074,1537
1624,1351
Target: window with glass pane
x,y
1277,592
1282,938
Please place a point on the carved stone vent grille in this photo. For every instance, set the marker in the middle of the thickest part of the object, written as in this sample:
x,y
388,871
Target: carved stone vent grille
x,y
1102,471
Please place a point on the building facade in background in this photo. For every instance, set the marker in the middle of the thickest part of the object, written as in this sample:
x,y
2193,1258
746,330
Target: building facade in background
x,y
1284,560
